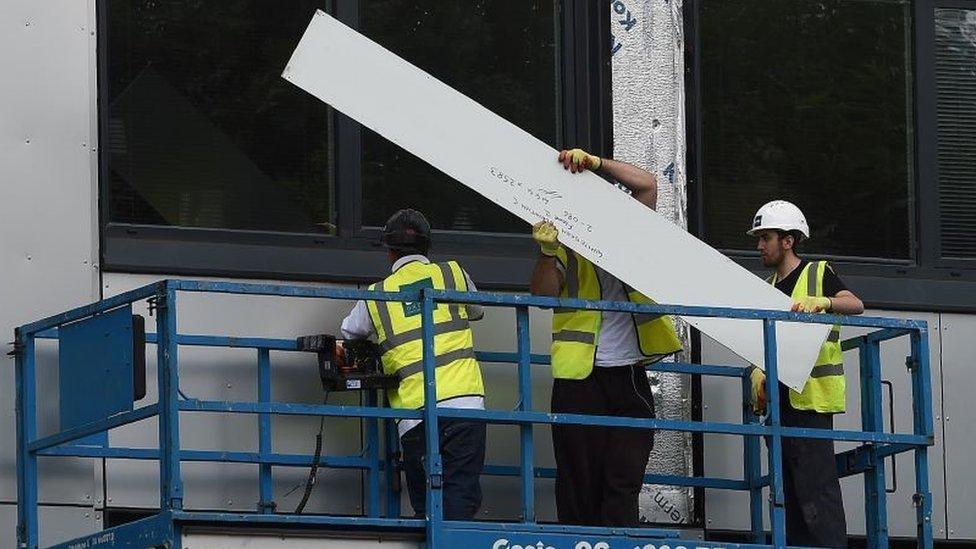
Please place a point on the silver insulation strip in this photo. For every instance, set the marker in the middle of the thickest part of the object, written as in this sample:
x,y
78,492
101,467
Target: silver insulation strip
x,y
648,129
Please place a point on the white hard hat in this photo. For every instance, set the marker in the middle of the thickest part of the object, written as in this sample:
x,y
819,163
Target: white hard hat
x,y
779,215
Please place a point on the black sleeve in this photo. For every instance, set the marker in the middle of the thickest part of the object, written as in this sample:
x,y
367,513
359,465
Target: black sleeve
x,y
832,284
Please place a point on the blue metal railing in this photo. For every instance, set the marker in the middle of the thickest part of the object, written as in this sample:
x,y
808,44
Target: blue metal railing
x,y
378,462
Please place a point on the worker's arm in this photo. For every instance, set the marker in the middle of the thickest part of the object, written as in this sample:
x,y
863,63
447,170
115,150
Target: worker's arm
x,y
846,303
641,183
547,279
357,325
475,312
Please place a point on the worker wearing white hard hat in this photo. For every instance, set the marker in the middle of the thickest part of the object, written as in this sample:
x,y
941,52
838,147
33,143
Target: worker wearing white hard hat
x,y
814,506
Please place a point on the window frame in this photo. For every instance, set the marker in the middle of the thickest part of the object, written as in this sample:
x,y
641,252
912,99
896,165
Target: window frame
x,y
927,282
353,255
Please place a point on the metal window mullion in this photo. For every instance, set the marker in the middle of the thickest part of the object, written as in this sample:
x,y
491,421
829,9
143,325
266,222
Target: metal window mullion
x,y
348,147
925,95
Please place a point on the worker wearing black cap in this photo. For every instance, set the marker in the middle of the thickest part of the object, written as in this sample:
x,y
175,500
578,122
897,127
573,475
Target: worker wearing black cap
x,y
397,326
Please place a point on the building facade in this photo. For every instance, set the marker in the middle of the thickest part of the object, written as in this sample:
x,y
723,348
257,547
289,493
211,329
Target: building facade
x,y
156,139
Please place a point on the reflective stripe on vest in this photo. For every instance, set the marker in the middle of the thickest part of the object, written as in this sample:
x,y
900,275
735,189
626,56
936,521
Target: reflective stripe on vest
x,y
575,332
400,336
825,390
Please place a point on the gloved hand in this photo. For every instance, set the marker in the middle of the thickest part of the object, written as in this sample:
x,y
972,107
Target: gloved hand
x,y
547,236
811,305
758,379
577,160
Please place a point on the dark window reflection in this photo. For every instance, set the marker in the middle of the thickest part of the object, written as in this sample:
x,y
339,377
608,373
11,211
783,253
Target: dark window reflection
x,y
498,52
202,130
809,101
955,75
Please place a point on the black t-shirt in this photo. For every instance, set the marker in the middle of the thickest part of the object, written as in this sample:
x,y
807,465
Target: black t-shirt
x,y
832,284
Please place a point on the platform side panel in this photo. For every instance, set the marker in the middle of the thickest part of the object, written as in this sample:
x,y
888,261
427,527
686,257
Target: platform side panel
x,y
730,511
240,541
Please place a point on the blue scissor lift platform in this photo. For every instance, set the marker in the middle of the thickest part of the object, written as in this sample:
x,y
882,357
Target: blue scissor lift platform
x,y
93,349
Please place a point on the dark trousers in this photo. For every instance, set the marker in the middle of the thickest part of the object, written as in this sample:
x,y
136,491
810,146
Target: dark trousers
x,y
814,506
462,447
599,470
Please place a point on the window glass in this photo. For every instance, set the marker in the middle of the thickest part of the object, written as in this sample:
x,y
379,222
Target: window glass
x,y
809,101
955,75
500,53
202,130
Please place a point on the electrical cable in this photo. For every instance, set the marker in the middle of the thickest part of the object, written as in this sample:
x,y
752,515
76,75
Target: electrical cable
x,y
314,469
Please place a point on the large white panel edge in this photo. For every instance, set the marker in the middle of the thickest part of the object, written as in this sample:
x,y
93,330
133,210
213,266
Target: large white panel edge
x,y
451,132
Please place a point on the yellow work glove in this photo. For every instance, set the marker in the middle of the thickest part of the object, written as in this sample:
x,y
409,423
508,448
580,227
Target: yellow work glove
x,y
811,305
577,160
758,379
547,236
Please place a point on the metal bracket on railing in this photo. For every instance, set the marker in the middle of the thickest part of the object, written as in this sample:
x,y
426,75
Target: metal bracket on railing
x,y
267,507
156,302
16,349
436,481
917,499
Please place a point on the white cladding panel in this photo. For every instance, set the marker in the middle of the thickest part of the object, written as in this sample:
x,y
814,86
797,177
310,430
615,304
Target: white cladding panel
x,y
57,524
959,386
47,217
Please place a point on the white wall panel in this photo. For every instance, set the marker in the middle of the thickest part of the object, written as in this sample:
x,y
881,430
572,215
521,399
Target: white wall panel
x,y
47,220
959,386
57,524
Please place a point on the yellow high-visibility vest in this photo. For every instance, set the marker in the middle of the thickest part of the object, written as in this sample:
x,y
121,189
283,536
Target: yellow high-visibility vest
x,y
575,332
398,329
826,389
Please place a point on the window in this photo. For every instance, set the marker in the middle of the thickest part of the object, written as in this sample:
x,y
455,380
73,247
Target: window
x,y
202,131
213,164
955,71
809,102
501,54
863,112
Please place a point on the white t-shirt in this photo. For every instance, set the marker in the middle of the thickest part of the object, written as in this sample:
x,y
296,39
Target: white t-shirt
x,y
617,344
